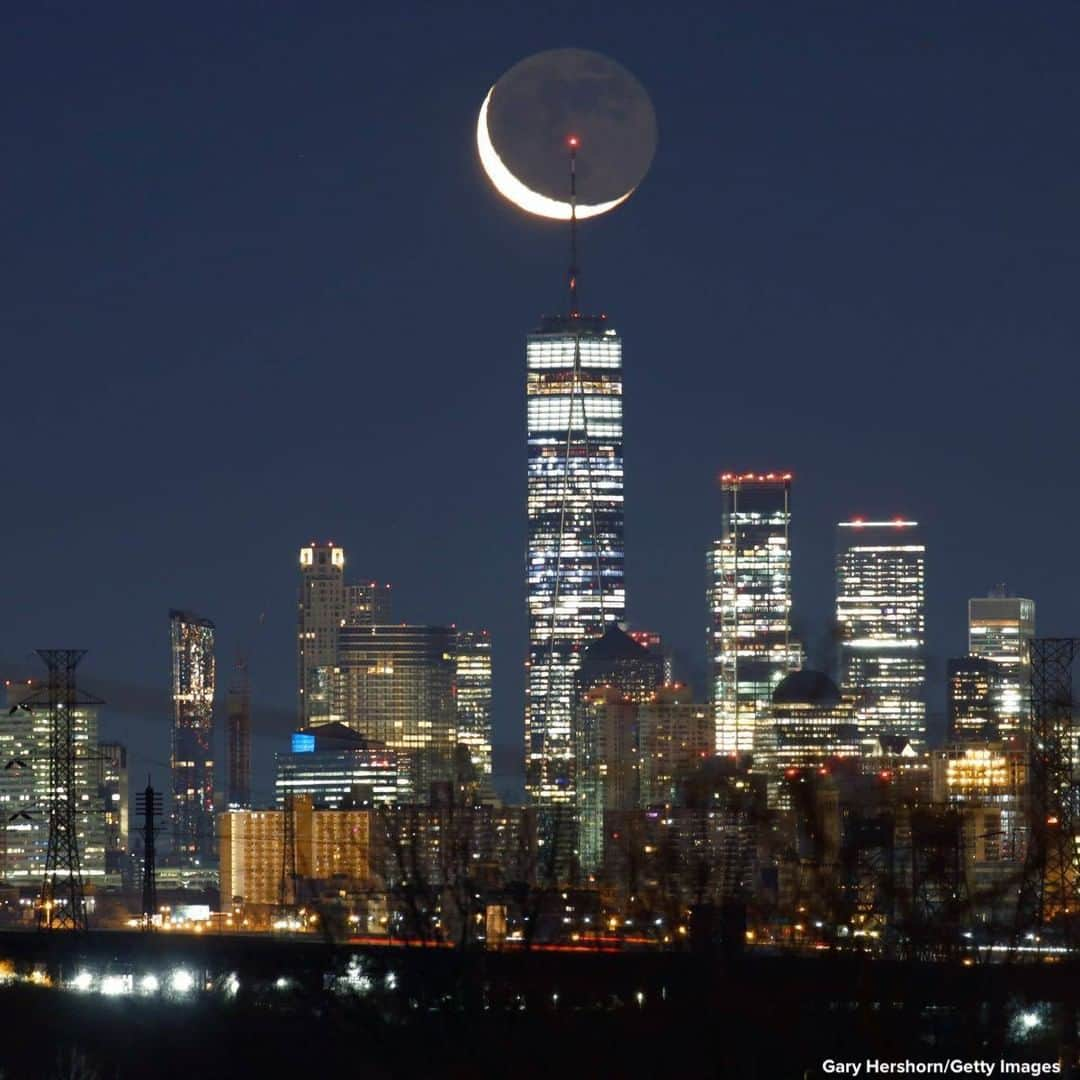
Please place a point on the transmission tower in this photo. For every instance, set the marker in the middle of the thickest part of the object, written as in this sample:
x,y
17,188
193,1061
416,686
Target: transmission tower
x,y
287,884
63,899
148,803
1050,886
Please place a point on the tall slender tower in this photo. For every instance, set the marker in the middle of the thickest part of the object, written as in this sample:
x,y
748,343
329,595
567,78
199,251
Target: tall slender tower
x,y
749,597
193,680
238,739
881,616
575,509
472,658
321,609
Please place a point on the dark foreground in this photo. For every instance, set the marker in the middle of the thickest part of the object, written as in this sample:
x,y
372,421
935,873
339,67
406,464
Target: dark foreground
x,y
319,1011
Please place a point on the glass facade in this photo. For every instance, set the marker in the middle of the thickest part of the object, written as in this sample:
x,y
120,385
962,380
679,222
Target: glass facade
x,y
395,685
749,599
192,763
336,768
974,683
472,657
575,523
1000,628
881,619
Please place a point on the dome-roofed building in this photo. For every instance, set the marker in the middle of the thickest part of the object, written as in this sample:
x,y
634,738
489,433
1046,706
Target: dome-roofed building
x,y
812,724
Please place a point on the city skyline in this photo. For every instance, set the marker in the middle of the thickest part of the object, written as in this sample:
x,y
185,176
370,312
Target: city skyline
x,y
657,255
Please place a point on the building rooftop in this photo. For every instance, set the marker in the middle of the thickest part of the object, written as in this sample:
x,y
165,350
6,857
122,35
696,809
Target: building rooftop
x,y
807,687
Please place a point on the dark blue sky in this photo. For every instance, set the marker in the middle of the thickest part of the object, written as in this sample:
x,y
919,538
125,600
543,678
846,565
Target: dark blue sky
x,y
255,290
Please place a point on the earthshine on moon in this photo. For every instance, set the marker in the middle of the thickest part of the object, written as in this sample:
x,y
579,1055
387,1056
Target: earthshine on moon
x,y
529,115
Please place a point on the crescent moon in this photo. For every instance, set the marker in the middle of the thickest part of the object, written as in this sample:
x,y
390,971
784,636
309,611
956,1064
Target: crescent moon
x,y
511,188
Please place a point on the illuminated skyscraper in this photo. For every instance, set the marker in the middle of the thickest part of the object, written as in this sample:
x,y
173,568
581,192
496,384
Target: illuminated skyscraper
x,y
320,613
575,548
749,597
472,656
25,786
974,688
1000,628
193,679
881,617
395,686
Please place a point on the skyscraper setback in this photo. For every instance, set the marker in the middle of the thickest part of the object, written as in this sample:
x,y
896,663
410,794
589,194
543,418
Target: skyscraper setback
x,y
191,639
881,617
749,598
575,546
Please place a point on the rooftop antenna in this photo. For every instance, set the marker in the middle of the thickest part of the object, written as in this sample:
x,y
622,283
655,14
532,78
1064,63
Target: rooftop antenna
x,y
572,143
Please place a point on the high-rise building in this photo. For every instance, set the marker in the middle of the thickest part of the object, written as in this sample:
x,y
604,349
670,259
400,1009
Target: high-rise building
x,y
395,685
575,547
881,618
25,785
675,736
192,763
974,691
321,610
472,665
1000,628
337,768
749,598
615,674
812,725
238,739
367,603
111,777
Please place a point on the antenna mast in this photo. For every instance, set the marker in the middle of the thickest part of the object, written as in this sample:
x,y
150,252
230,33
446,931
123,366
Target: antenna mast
x,y
572,143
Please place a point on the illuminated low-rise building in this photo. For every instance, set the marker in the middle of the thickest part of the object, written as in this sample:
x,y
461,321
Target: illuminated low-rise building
x,y
330,845
337,768
986,774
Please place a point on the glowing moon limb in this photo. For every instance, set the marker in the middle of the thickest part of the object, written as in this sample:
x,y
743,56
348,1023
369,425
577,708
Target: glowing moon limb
x,y
511,188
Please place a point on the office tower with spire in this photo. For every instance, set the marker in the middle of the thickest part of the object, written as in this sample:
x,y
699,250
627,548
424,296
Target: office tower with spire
x,y
191,640
575,559
321,610
881,621
1000,628
749,600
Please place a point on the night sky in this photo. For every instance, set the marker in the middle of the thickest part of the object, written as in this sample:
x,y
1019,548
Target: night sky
x,y
256,290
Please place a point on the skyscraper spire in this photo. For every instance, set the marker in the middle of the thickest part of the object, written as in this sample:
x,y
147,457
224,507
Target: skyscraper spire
x,y
572,143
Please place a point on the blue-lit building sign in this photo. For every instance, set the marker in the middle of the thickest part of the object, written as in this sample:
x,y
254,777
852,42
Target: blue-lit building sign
x,y
303,742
